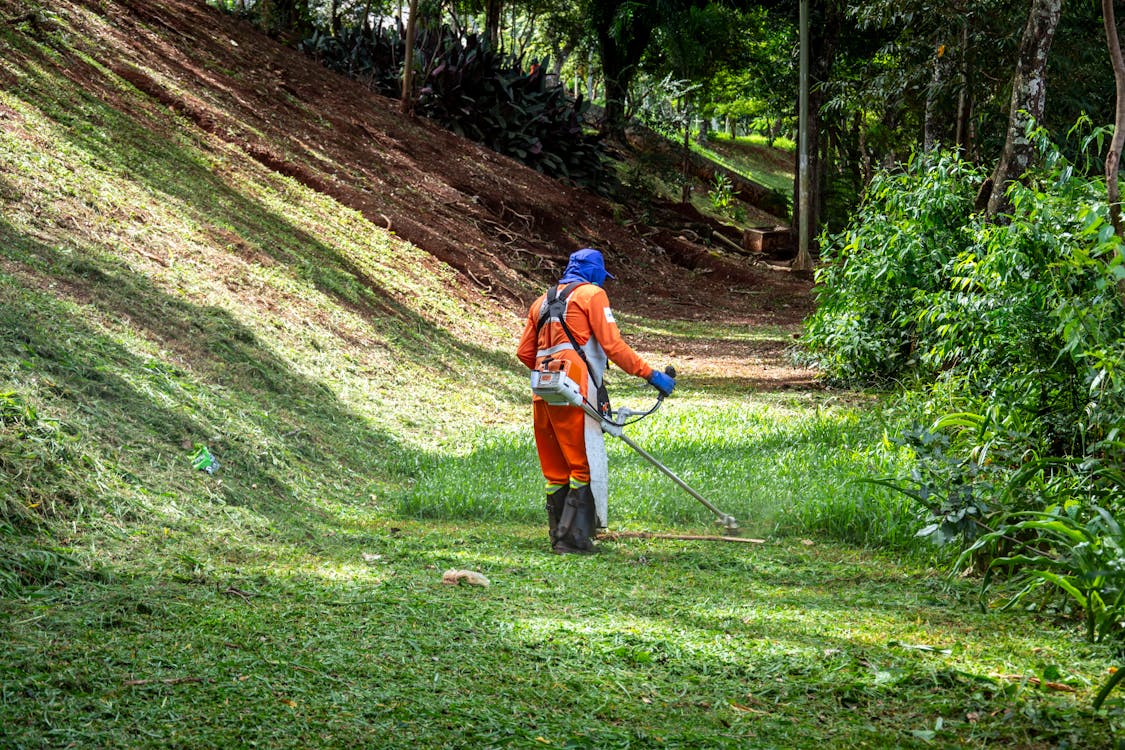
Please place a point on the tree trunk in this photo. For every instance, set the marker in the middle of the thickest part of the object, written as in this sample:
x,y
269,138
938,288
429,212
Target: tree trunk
x,y
368,24
1029,95
407,104
930,117
685,174
620,54
964,99
1113,158
492,15
860,125
590,93
286,16
704,134
824,38
558,59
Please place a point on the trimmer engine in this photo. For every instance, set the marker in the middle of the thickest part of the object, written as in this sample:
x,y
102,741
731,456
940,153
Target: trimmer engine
x,y
552,383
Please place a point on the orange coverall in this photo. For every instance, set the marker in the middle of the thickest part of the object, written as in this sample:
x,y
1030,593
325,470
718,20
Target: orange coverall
x,y
560,430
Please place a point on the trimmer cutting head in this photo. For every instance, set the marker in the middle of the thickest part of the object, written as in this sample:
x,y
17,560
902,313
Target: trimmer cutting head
x,y
729,524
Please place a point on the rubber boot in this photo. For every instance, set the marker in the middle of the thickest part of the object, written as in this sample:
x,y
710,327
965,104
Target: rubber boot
x,y
579,517
555,502
568,510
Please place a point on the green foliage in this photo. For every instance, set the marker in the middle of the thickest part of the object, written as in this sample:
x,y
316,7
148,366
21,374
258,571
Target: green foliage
x,y
868,326
1025,313
1075,549
1014,332
721,193
486,96
1031,316
375,58
947,486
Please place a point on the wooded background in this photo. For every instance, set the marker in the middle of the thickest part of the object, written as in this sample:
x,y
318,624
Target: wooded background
x,y
888,77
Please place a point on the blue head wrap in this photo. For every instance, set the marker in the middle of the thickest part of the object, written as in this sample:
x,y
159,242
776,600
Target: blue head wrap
x,y
586,265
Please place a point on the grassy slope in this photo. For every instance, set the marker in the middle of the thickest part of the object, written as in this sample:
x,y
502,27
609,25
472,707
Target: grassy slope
x,y
157,293
753,158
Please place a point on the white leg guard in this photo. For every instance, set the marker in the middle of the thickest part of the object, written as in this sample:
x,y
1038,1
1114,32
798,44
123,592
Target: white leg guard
x,y
599,471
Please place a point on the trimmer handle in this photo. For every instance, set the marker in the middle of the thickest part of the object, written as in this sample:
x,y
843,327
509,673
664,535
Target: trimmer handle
x,y
670,372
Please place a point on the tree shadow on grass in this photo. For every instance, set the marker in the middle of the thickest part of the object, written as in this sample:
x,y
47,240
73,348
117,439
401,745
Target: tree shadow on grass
x,y
147,150
269,424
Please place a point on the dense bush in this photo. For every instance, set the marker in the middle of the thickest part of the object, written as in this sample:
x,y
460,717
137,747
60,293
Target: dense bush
x,y
486,96
1023,314
900,245
373,57
1010,335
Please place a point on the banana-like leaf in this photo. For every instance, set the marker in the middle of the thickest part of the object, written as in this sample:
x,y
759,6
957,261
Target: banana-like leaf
x,y
1063,584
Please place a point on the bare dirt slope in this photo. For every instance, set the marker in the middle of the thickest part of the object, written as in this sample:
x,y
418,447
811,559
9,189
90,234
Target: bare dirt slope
x,y
504,227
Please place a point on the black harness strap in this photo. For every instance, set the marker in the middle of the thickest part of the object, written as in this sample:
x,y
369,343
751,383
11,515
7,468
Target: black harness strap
x,y
555,307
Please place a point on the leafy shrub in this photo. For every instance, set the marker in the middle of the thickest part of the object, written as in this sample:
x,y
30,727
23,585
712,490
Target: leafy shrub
x,y
1022,319
721,193
1014,331
1079,551
1031,316
372,57
867,327
948,487
486,96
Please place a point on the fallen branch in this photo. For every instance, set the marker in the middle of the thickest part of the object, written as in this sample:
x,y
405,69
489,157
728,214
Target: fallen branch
x,y
504,208
499,228
615,535
232,591
486,287
734,245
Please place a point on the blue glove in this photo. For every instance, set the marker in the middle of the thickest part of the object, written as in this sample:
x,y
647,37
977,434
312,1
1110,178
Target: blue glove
x,y
662,382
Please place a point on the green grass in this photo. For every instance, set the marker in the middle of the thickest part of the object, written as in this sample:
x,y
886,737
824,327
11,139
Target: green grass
x,y
229,640
781,465
159,291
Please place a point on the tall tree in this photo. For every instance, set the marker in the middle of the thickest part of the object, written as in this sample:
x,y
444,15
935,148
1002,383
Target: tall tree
x,y
693,46
826,23
286,16
1113,158
623,29
407,104
1029,97
492,14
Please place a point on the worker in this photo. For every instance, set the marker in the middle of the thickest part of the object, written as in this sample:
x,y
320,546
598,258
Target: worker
x,y
572,326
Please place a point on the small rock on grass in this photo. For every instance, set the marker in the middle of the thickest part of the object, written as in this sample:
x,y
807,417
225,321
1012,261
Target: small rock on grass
x,y
471,577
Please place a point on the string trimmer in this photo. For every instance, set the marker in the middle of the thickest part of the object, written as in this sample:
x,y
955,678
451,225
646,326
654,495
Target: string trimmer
x,y
554,386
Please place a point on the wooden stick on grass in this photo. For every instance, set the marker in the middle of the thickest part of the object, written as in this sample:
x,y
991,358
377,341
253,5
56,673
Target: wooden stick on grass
x,y
612,535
